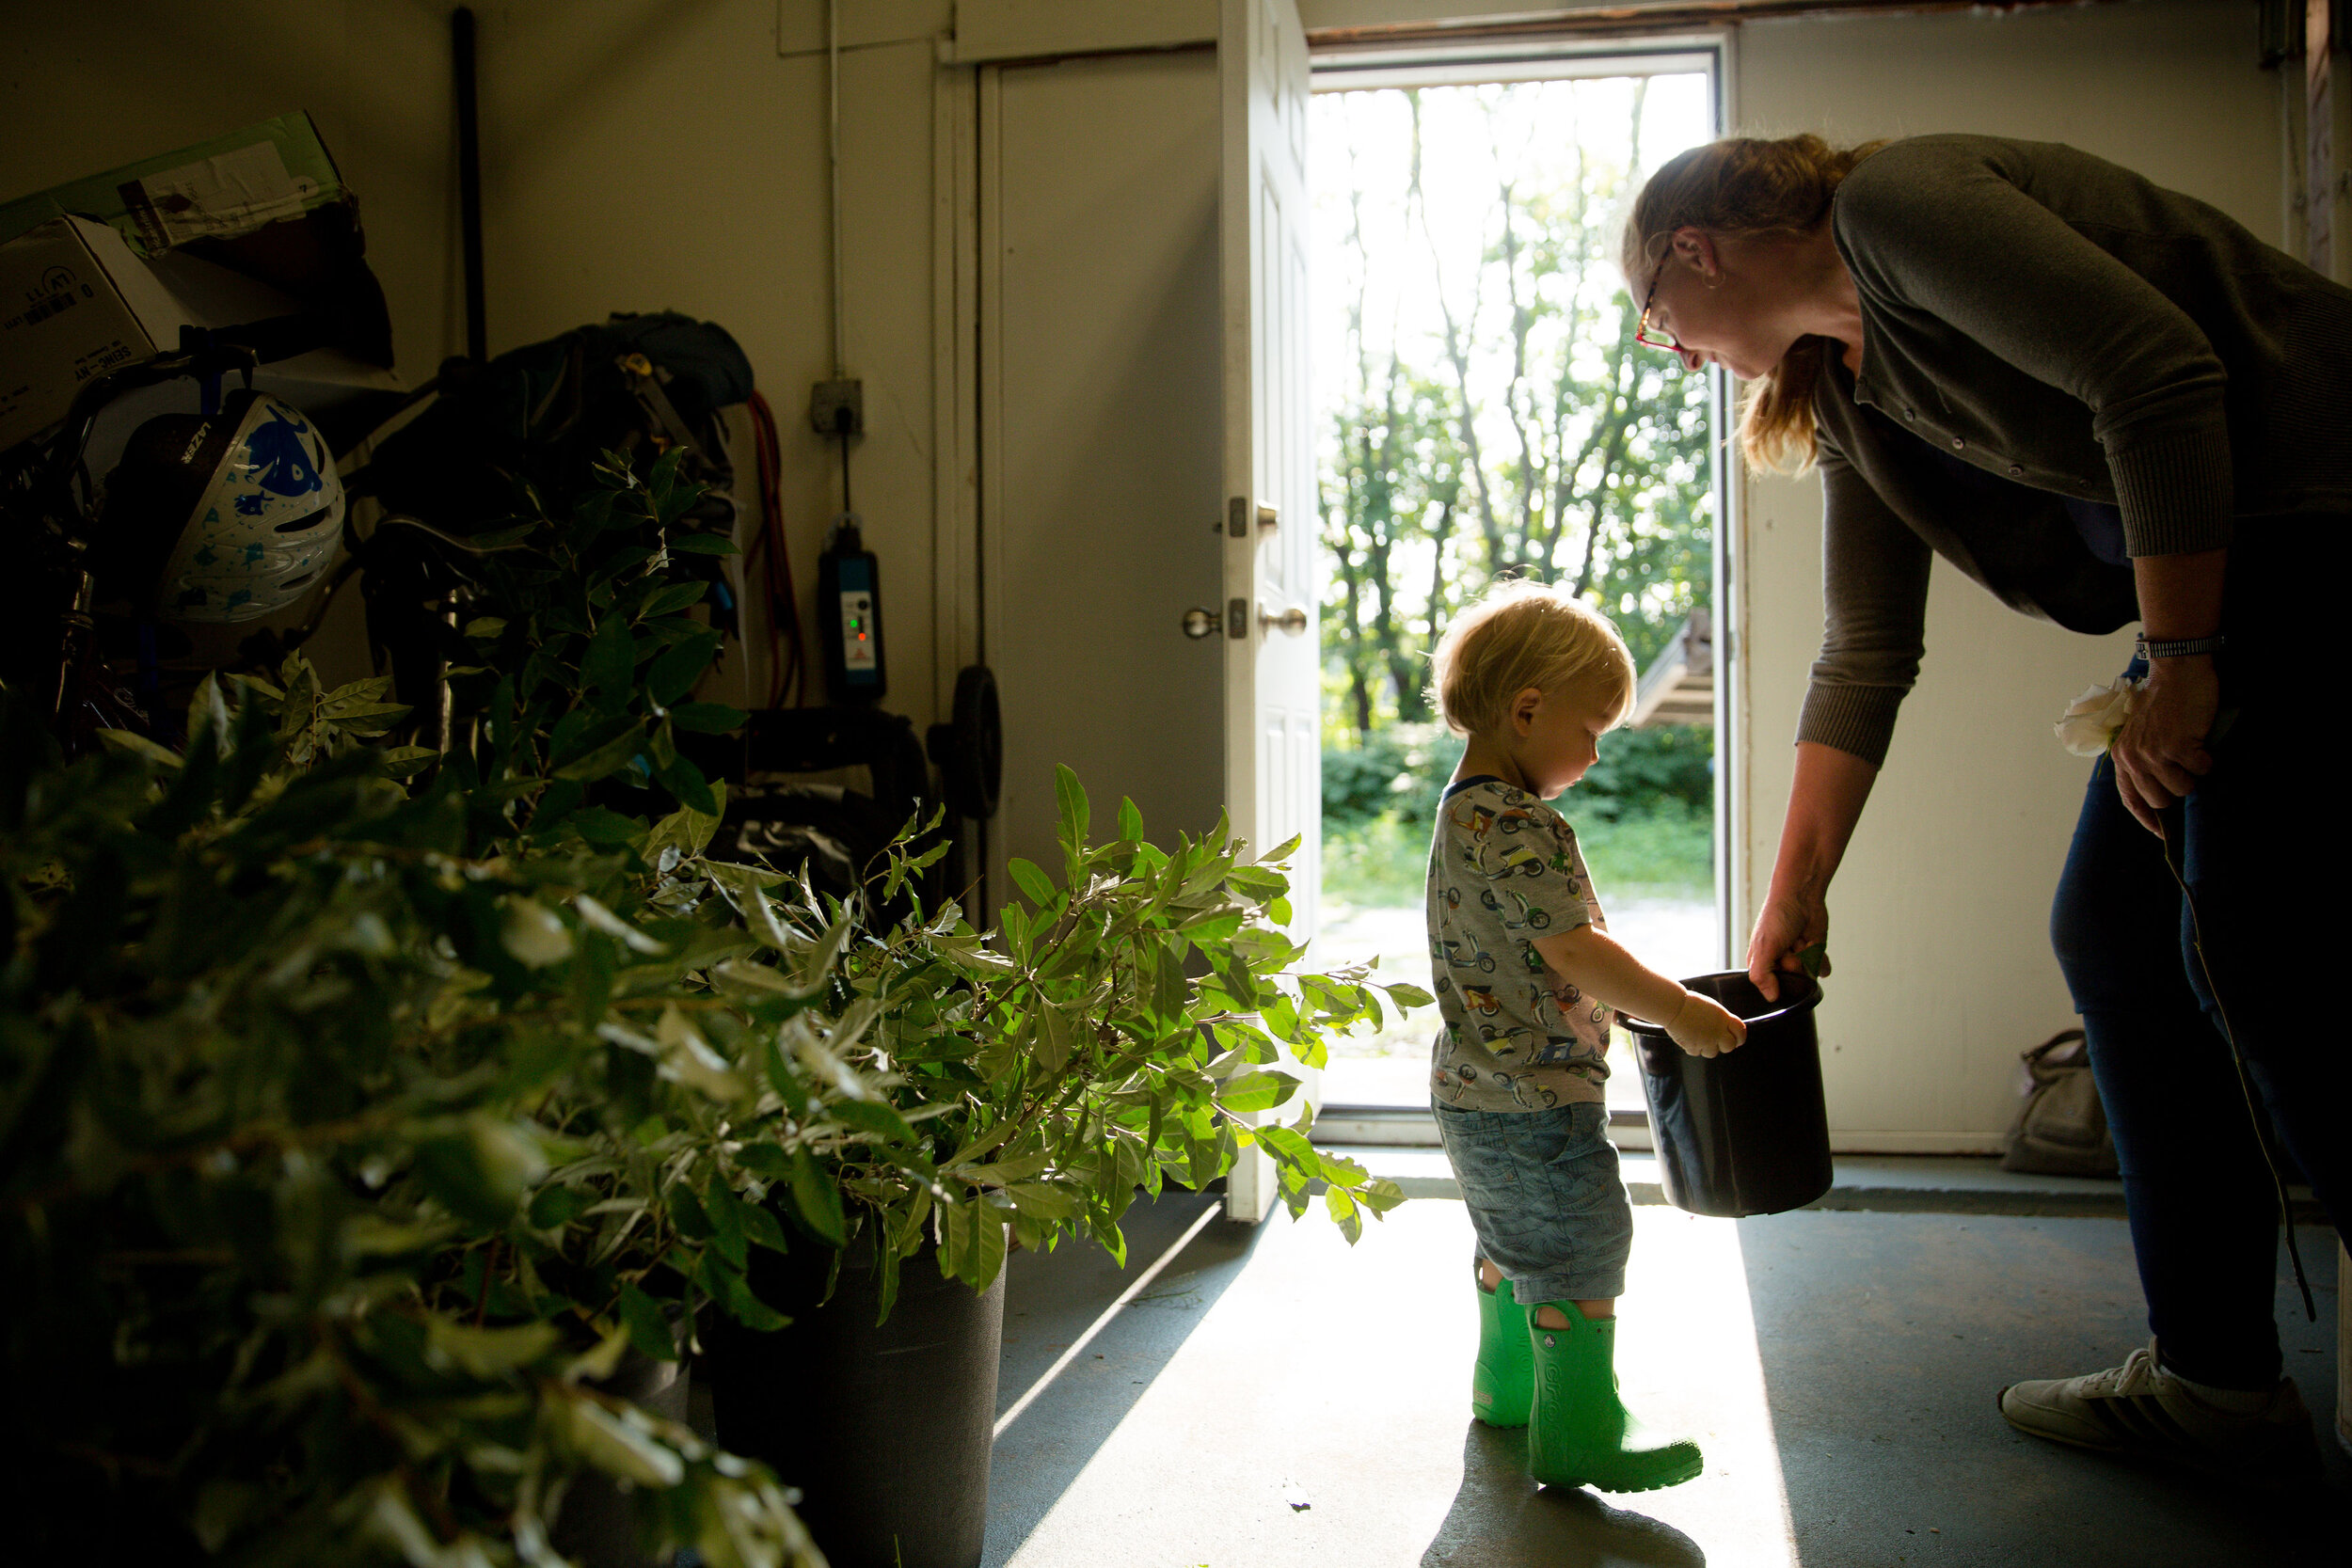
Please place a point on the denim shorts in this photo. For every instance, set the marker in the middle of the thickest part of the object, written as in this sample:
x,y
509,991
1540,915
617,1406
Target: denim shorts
x,y
1544,1196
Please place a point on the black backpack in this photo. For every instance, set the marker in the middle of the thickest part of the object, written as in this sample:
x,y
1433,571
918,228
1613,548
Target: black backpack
x,y
540,417
543,413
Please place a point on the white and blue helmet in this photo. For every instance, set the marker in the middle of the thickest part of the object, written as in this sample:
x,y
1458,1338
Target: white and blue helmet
x,y
225,518
266,524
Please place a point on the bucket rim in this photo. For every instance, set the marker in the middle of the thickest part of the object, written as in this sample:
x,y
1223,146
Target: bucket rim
x,y
1808,988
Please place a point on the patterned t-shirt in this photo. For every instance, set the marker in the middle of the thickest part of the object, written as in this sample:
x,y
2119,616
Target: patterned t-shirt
x,y
1503,870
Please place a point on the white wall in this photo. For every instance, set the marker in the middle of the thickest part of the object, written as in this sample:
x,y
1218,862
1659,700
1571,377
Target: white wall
x,y
1939,919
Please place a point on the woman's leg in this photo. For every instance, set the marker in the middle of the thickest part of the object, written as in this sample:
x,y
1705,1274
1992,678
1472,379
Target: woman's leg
x,y
2202,1215
2265,861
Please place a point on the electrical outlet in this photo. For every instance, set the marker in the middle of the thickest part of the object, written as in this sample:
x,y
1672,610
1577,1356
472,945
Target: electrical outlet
x,y
838,407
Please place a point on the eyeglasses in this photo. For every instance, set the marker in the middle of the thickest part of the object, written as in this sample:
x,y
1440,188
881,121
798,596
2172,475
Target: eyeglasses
x,y
1642,332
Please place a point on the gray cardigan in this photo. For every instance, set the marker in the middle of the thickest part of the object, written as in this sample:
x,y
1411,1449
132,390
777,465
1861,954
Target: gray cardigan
x,y
2074,333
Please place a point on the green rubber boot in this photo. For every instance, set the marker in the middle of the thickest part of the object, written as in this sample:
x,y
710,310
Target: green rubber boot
x,y
1502,1385
1579,1433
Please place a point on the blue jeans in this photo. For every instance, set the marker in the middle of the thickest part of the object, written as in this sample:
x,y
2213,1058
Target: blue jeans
x,y
2263,839
1544,1196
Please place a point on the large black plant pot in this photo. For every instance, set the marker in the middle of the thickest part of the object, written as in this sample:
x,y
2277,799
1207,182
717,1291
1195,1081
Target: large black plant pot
x,y
885,1430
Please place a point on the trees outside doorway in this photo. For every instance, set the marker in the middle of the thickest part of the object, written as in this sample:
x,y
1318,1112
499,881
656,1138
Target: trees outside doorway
x,y
1484,412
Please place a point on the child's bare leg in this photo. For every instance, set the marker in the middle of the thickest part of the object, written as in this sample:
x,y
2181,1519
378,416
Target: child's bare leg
x,y
1547,1317
1551,1317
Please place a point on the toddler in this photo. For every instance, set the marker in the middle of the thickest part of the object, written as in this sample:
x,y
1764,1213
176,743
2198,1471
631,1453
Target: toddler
x,y
1527,981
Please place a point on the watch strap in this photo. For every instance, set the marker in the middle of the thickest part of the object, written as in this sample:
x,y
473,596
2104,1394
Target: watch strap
x,y
2185,647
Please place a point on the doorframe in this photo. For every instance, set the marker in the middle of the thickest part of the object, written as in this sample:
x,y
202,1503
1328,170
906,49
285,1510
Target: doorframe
x,y
958,578
1729,479
1433,61
967,422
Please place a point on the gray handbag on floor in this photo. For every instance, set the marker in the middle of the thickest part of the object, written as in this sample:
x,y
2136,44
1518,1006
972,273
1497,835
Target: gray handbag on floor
x,y
2061,1127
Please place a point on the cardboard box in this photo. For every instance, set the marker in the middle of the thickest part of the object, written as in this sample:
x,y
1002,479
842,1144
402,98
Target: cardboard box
x,y
266,202
230,185
77,303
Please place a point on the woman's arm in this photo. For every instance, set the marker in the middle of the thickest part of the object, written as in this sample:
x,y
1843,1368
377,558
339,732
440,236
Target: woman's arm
x,y
1824,804
2160,754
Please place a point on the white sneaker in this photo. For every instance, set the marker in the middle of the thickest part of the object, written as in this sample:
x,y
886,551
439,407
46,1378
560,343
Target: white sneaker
x,y
2141,1410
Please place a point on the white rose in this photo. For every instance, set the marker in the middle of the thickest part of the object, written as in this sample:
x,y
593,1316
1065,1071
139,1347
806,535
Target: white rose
x,y
534,934
2091,722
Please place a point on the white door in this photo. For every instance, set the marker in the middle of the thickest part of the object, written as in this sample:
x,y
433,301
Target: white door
x,y
1273,754
1101,439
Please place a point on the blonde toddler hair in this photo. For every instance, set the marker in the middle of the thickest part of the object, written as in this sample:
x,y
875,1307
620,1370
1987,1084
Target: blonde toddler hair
x,y
1525,633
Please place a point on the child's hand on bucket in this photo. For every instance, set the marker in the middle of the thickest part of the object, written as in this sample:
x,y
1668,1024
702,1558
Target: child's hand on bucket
x,y
1703,1027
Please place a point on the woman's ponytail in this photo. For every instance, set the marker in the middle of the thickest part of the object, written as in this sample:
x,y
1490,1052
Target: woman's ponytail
x,y
1747,185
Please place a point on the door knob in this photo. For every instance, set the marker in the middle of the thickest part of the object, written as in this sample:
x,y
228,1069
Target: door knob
x,y
1293,620
1238,512
1199,623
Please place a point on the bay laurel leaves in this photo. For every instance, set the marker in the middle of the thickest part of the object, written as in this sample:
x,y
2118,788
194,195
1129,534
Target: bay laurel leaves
x,y
613,925
818,1199
1057,1038
687,1058
819,1058
617,1448
485,1352
1031,880
1045,1200
1261,1090
1342,1209
533,934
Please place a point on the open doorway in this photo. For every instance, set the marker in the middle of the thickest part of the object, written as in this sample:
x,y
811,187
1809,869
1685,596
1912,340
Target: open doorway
x,y
1482,410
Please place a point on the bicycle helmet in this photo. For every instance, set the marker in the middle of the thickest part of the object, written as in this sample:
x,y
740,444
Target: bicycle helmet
x,y
222,517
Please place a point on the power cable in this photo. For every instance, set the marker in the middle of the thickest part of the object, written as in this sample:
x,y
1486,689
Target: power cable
x,y
833,66
789,656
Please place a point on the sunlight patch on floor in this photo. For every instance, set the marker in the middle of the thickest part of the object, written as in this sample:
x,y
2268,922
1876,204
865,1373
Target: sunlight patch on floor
x,y
1319,1414
1687,1359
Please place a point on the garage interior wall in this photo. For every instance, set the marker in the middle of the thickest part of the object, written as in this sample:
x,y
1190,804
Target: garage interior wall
x,y
647,156
637,155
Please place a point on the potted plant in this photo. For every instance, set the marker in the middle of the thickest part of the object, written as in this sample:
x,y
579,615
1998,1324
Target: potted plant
x,y
355,1133
1125,1024
373,1119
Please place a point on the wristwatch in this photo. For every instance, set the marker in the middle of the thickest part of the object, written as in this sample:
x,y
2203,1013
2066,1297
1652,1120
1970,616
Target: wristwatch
x,y
2185,647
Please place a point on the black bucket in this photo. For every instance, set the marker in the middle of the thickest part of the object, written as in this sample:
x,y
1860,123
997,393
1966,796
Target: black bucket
x,y
886,1430
1745,1133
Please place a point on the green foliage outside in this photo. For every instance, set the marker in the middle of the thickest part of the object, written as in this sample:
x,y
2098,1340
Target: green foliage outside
x,y
1643,814
353,1130
1662,854
1523,432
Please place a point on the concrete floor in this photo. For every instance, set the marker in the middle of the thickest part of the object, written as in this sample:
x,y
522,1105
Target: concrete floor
x,y
1272,1397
